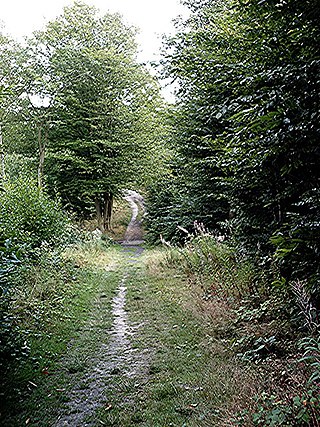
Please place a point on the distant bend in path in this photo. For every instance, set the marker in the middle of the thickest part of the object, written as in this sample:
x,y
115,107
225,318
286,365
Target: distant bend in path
x,y
134,233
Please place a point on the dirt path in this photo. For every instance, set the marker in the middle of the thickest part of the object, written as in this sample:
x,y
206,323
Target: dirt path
x,y
116,357
134,234
144,353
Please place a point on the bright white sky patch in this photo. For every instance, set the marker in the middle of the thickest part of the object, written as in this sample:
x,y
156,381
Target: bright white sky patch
x,y
152,17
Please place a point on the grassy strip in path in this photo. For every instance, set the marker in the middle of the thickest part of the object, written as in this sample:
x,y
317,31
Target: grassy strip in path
x,y
73,317
189,380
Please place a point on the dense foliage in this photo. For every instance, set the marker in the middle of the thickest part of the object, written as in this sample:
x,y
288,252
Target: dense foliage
x,y
28,216
31,225
247,131
88,111
246,165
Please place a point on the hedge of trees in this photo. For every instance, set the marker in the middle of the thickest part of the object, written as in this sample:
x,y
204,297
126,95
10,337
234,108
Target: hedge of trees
x,y
246,132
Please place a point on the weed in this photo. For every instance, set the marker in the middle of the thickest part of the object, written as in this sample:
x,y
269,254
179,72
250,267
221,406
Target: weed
x,y
311,357
294,406
304,301
299,410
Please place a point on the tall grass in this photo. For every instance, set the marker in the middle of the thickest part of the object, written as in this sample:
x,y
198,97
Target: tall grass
x,y
207,259
264,329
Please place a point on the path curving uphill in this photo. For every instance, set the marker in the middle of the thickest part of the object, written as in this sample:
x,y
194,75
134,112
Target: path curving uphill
x,y
134,233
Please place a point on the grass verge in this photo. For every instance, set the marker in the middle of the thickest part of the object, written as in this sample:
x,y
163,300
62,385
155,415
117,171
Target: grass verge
x,y
266,329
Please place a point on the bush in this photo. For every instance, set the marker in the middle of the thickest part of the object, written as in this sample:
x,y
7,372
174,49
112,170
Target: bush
x,y
18,165
174,202
30,225
28,216
214,264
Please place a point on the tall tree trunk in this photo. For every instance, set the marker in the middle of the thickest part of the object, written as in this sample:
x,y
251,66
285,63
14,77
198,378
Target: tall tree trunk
x,y
42,153
108,205
2,156
99,213
104,205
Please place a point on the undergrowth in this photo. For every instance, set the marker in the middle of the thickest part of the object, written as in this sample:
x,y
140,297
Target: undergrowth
x,y
272,327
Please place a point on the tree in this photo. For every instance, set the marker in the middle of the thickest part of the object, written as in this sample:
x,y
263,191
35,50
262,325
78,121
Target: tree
x,y
12,86
248,117
102,106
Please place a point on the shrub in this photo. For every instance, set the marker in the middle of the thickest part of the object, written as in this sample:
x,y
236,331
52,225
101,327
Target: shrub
x,y
28,216
30,225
